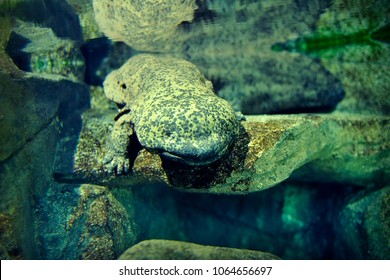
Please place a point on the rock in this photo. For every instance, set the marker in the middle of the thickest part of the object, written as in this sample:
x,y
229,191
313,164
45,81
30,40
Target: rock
x,y
9,243
83,222
34,114
106,227
56,15
325,148
84,11
177,250
363,227
25,176
39,99
6,25
39,50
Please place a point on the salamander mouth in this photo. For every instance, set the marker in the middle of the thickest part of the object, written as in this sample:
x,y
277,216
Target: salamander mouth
x,y
195,158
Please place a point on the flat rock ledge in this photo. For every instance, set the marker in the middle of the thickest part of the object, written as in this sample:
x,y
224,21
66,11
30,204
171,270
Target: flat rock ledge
x,y
178,250
341,148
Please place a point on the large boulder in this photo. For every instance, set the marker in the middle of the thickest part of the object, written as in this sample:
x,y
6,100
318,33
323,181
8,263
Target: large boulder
x,y
363,226
177,250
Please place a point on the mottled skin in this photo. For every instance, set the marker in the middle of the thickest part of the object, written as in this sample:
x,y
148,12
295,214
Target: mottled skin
x,y
171,108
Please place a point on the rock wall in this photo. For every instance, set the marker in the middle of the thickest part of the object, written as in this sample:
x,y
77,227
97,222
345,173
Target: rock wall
x,y
32,110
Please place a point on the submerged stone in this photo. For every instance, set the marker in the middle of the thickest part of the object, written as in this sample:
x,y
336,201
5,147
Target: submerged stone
x,y
53,14
363,226
39,50
83,222
177,250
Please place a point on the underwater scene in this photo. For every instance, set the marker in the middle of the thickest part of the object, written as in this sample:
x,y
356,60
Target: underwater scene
x,y
194,129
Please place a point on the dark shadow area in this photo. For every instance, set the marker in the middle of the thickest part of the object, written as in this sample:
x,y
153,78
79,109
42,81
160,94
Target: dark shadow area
x,y
305,87
291,221
201,15
101,57
14,49
94,52
382,34
135,148
323,102
55,14
204,176
69,113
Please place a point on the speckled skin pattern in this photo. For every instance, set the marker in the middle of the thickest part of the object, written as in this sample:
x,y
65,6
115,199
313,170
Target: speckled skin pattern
x,y
171,108
143,24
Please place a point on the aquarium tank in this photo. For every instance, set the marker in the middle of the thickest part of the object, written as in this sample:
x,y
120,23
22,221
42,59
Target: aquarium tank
x,y
194,129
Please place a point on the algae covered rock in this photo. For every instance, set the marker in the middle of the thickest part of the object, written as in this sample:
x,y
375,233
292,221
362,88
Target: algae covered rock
x,y
363,226
177,250
83,222
56,15
84,11
39,50
106,227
